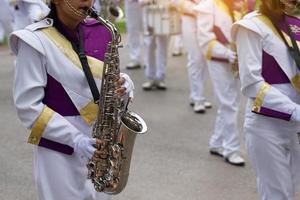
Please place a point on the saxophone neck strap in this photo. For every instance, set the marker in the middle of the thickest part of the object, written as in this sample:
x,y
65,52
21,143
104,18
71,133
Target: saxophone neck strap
x,y
86,68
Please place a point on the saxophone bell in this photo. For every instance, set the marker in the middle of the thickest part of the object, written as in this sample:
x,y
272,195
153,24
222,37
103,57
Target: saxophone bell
x,y
115,13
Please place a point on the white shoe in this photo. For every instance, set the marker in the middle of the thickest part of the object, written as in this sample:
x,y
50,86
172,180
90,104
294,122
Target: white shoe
x,y
161,85
207,104
235,159
176,53
149,85
133,65
218,151
199,107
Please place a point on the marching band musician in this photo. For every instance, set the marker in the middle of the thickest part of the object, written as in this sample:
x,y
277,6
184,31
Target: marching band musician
x,y
156,54
197,65
53,98
134,24
214,21
267,44
28,11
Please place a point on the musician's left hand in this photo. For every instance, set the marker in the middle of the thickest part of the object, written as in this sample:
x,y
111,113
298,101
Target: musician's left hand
x,y
124,86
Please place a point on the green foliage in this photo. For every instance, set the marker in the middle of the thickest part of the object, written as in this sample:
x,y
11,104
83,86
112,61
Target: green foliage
x,y
122,26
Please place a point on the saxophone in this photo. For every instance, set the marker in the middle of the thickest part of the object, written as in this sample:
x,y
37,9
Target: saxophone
x,y
115,126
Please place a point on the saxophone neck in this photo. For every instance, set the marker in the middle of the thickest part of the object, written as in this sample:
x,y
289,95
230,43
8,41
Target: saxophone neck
x,y
116,36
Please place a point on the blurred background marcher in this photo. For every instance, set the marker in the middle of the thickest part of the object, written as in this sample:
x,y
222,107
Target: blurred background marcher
x,y
214,21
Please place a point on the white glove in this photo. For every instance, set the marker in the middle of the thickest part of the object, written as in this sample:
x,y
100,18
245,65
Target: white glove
x,y
296,114
231,56
84,146
128,84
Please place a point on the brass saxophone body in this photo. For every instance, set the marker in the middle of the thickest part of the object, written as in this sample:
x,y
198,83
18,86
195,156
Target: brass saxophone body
x,y
115,126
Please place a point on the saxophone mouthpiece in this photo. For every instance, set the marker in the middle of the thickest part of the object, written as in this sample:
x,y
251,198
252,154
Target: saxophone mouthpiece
x,y
91,12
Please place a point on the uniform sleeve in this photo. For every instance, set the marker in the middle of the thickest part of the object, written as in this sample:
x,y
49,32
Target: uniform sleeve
x,y
48,128
207,39
268,100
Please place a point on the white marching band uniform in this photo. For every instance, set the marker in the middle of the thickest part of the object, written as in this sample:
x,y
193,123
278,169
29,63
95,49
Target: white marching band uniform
x,y
197,64
270,80
6,19
214,28
156,52
59,172
28,11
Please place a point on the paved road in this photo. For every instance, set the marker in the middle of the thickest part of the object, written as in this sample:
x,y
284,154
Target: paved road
x,y
171,162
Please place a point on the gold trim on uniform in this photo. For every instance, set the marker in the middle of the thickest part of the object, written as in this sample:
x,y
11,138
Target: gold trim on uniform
x,y
296,82
259,100
89,112
66,47
210,49
40,126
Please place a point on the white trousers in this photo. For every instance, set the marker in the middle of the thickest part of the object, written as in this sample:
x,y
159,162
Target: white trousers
x,y
156,56
277,166
197,64
227,91
178,43
134,20
5,20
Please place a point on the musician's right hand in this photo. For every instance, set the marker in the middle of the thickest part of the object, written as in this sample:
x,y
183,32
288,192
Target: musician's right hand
x,y
84,146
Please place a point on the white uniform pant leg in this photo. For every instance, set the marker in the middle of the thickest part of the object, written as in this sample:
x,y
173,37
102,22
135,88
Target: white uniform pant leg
x,y
295,160
161,57
277,167
134,20
227,91
197,64
61,177
5,19
2,33
150,60
178,43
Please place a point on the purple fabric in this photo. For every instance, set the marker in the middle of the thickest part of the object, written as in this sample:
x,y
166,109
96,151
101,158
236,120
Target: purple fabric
x,y
223,60
275,114
96,38
220,35
55,146
57,98
291,21
271,71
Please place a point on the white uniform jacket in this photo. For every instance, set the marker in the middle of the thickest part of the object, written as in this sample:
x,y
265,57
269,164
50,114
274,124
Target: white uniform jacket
x,y
268,73
214,29
51,93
